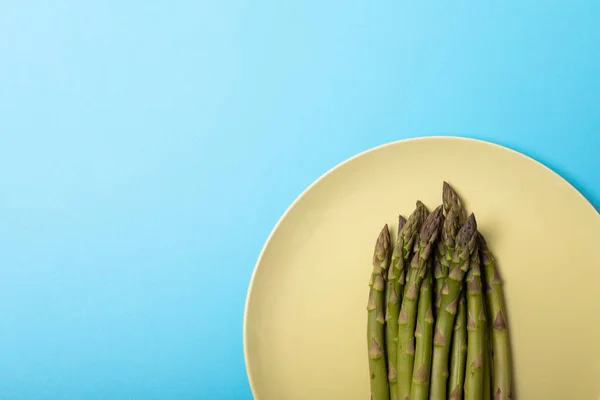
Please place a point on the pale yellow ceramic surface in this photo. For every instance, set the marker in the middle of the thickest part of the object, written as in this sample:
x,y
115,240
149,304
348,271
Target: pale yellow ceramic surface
x,y
305,320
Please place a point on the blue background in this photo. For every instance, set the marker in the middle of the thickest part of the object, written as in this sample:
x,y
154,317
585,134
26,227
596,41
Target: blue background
x,y
148,148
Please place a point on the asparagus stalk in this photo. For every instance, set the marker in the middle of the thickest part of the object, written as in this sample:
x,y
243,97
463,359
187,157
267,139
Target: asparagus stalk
x,y
501,361
458,355
439,274
476,324
487,359
375,321
465,244
408,311
407,232
393,299
424,340
445,248
487,355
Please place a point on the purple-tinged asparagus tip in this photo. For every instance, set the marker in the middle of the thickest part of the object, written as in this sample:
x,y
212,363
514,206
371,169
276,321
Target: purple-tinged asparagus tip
x,y
467,231
382,247
401,223
431,225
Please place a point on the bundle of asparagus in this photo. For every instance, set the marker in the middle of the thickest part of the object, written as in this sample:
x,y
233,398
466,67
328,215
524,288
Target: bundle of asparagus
x,y
437,326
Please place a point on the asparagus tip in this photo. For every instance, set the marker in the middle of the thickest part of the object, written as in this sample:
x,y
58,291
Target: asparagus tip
x,y
386,231
467,231
431,224
449,196
382,246
446,189
401,223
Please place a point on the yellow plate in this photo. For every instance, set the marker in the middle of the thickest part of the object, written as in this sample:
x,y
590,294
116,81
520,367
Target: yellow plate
x,y
305,318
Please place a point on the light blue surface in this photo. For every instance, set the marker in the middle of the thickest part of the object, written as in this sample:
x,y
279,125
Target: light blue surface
x,y
148,148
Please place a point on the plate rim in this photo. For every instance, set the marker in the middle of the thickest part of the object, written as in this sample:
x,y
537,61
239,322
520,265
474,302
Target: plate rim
x,y
341,164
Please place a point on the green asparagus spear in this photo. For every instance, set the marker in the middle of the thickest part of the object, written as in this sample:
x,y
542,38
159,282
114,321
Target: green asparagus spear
x,y
465,244
476,324
424,340
501,361
487,355
439,275
487,359
375,308
445,248
392,305
407,232
458,355
391,293
408,311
